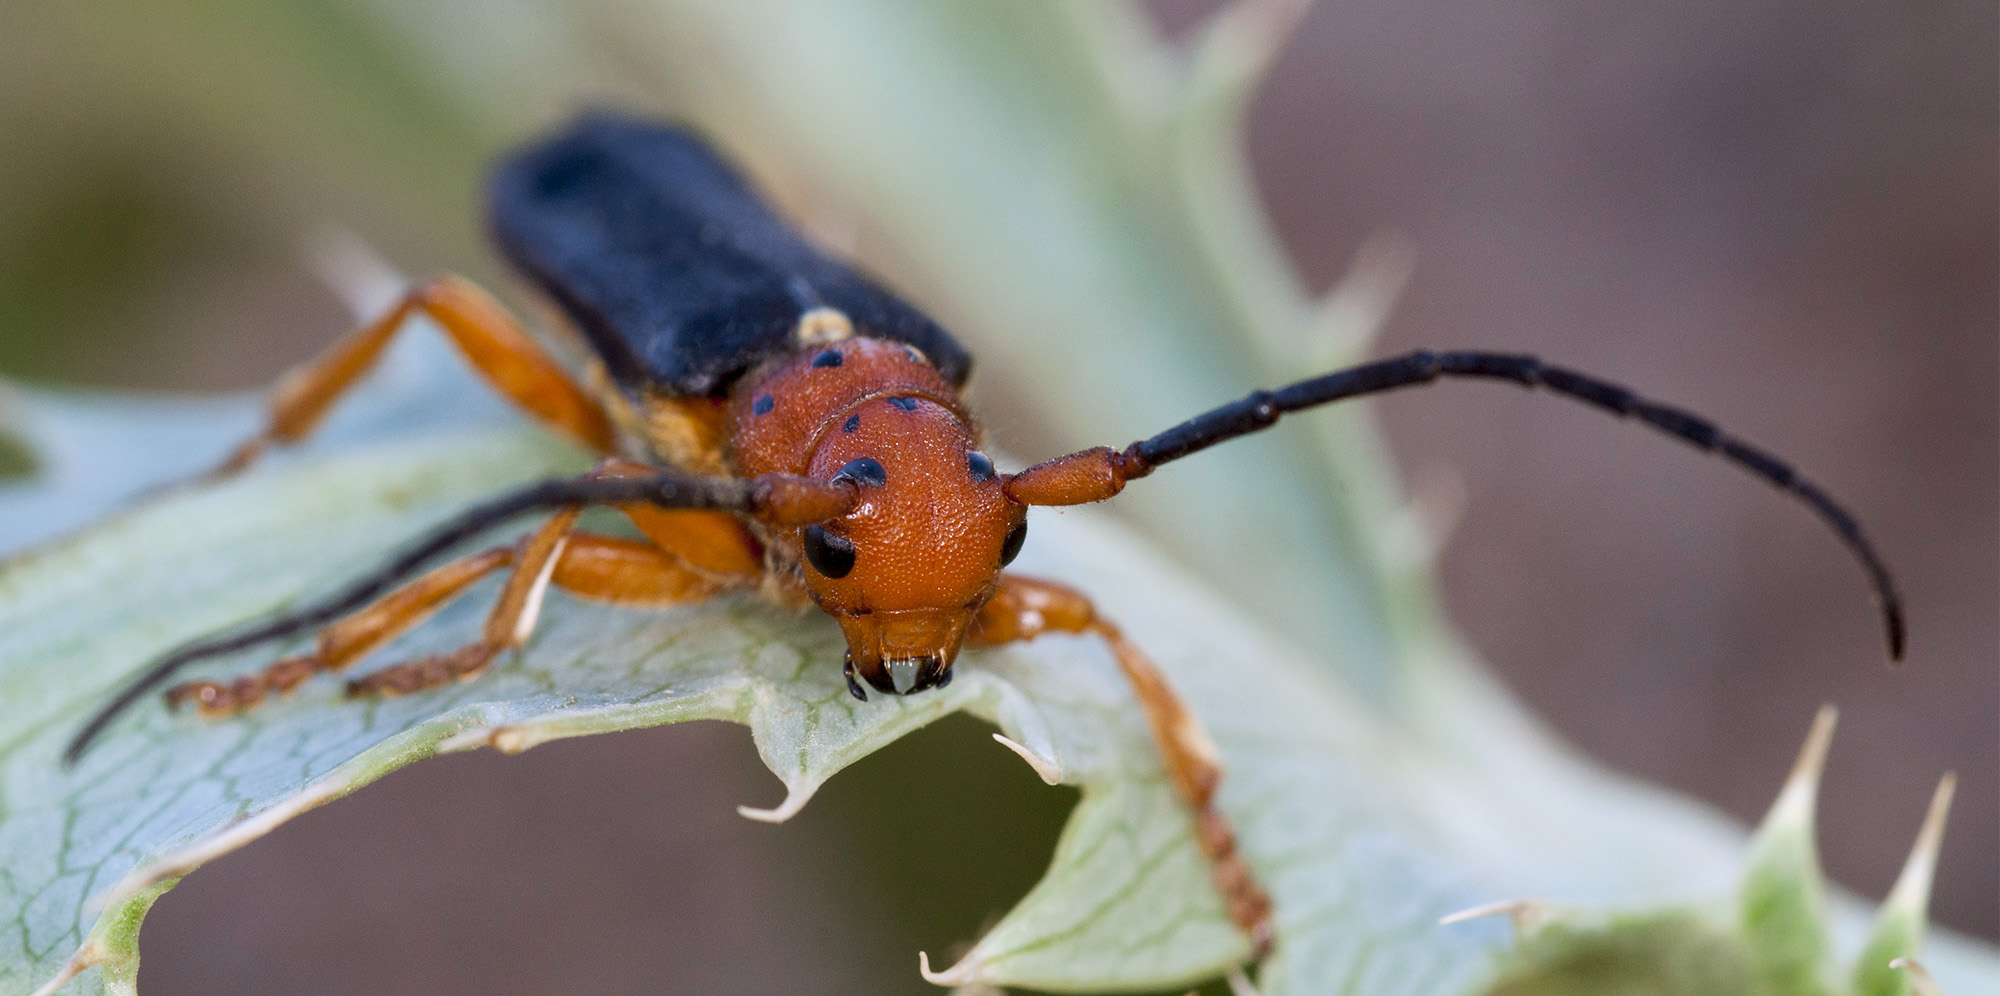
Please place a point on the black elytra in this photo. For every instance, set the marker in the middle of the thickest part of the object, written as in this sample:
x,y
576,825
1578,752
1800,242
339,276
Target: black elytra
x,y
671,265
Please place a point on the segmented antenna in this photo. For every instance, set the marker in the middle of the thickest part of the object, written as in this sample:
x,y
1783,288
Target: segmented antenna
x,y
1261,409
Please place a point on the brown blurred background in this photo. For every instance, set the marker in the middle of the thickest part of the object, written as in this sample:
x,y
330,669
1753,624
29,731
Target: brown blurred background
x,y
1782,214
1779,213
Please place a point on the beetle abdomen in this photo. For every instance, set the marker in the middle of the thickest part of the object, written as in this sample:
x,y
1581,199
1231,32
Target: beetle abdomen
x,y
680,277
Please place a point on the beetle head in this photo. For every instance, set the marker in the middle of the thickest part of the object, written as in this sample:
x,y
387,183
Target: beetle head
x,y
907,569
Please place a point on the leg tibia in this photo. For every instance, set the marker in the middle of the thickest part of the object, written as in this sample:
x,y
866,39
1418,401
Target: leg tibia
x,y
510,623
484,333
599,568
348,640
1025,608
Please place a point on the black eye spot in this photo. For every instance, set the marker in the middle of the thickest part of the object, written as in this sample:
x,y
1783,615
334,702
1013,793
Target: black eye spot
x,y
827,358
865,471
1011,546
853,422
829,554
763,405
906,404
981,467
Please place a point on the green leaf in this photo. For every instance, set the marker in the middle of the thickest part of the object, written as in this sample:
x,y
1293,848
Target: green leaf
x,y
1778,944
1899,927
1783,898
1666,954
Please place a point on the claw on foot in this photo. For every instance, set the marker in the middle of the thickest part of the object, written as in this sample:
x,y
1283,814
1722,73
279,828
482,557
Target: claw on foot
x,y
227,698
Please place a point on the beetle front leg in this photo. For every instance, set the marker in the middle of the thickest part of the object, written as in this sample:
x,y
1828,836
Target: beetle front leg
x,y
341,644
509,625
489,338
1024,608
690,556
348,640
599,568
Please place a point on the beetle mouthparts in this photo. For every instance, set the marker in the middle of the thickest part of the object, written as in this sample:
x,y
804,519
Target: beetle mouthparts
x,y
907,675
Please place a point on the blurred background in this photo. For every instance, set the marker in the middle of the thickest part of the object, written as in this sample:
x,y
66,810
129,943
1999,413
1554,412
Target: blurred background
x,y
1778,213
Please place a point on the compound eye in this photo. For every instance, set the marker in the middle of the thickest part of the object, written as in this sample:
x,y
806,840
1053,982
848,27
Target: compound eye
x,y
980,467
1011,546
830,554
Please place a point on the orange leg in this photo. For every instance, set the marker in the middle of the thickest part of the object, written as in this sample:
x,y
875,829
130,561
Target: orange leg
x,y
483,331
1025,608
348,640
509,625
715,543
601,568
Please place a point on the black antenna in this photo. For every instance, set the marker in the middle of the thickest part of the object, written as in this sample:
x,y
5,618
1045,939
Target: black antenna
x,y
1260,410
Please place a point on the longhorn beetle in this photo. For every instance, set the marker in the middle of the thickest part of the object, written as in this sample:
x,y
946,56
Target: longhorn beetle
x,y
772,420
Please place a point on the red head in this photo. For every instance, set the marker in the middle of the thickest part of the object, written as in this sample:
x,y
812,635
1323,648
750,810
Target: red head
x,y
905,571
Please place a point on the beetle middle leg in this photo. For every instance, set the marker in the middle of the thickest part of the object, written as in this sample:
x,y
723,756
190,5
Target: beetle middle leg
x,y
489,338
1024,608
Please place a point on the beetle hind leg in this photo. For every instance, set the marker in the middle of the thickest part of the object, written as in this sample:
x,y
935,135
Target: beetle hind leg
x,y
1025,608
485,334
